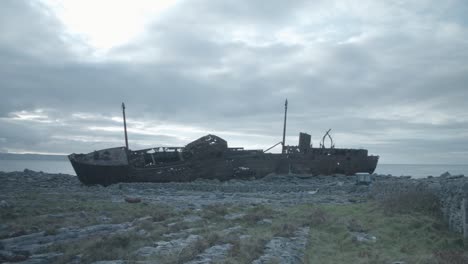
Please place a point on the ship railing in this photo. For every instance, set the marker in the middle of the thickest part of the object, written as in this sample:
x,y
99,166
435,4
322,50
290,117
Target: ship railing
x,y
236,149
179,164
159,149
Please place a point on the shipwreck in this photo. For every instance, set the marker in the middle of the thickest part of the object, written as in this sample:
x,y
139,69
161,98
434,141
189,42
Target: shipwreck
x,y
210,157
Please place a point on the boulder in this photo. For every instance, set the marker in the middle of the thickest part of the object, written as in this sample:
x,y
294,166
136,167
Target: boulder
x,y
445,174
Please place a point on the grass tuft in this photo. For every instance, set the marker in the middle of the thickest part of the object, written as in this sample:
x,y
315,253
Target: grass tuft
x,y
215,212
258,213
284,229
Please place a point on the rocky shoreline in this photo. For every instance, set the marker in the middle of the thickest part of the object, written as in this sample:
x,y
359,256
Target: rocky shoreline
x,y
191,202
274,189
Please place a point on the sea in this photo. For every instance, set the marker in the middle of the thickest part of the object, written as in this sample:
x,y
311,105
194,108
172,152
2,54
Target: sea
x,y
414,170
50,166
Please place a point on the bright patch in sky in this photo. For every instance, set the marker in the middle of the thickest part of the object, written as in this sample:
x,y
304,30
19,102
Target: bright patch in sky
x,y
104,24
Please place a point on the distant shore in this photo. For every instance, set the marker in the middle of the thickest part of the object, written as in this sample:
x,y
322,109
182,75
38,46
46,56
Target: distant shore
x,y
28,156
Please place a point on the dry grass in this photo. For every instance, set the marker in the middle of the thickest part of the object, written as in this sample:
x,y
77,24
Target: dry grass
x,y
215,212
190,252
411,200
410,236
284,229
99,248
258,213
450,256
40,211
246,250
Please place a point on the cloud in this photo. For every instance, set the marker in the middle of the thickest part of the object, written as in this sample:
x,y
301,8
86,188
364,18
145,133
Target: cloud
x,y
386,76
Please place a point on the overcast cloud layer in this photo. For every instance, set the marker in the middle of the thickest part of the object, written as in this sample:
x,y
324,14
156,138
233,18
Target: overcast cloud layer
x,y
389,76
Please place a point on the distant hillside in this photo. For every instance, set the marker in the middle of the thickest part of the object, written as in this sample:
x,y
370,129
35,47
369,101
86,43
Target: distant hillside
x,y
12,156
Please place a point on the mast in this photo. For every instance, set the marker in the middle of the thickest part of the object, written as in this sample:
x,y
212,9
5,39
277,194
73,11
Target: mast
x,y
284,127
125,125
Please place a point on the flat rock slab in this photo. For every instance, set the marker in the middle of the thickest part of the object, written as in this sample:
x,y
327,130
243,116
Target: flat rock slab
x,y
285,250
180,234
232,230
109,262
192,219
212,254
234,216
41,258
166,248
35,242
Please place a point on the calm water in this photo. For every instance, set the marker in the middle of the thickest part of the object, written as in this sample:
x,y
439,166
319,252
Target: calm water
x,y
51,166
417,171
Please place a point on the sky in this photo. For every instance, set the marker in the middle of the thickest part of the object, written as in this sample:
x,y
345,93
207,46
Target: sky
x,y
388,76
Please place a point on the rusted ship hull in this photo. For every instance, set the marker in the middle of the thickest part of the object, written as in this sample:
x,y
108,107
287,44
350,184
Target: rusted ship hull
x,y
107,175
214,168
332,164
98,174
209,158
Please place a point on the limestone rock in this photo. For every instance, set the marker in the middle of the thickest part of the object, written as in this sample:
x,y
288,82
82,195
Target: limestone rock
x,y
445,174
192,218
35,242
285,250
213,254
42,258
109,262
147,251
234,216
165,248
